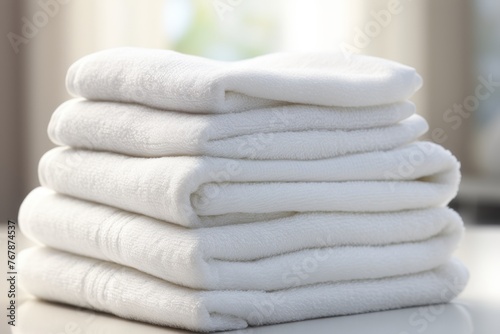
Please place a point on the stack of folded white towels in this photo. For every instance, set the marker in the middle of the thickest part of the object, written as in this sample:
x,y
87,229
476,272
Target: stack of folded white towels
x,y
213,196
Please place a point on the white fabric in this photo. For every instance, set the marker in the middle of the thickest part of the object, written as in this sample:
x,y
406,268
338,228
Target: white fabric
x,y
173,81
203,191
286,132
128,293
256,256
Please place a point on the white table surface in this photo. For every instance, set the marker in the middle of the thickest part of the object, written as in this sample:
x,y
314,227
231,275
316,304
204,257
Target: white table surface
x,y
477,310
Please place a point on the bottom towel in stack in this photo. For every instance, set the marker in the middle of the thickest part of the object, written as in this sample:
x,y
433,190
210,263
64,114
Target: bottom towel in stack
x,y
126,292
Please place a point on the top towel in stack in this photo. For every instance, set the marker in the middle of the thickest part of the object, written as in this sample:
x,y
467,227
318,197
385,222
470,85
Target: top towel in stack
x,y
264,164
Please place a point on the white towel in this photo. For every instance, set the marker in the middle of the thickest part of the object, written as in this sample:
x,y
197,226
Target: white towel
x,y
202,191
128,293
276,254
169,80
286,132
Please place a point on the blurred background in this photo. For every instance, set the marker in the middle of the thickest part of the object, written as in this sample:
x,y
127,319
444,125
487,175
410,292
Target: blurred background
x,y
454,44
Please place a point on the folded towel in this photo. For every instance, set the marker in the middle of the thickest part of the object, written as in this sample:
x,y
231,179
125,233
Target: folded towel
x,y
203,191
126,292
169,80
287,132
269,255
